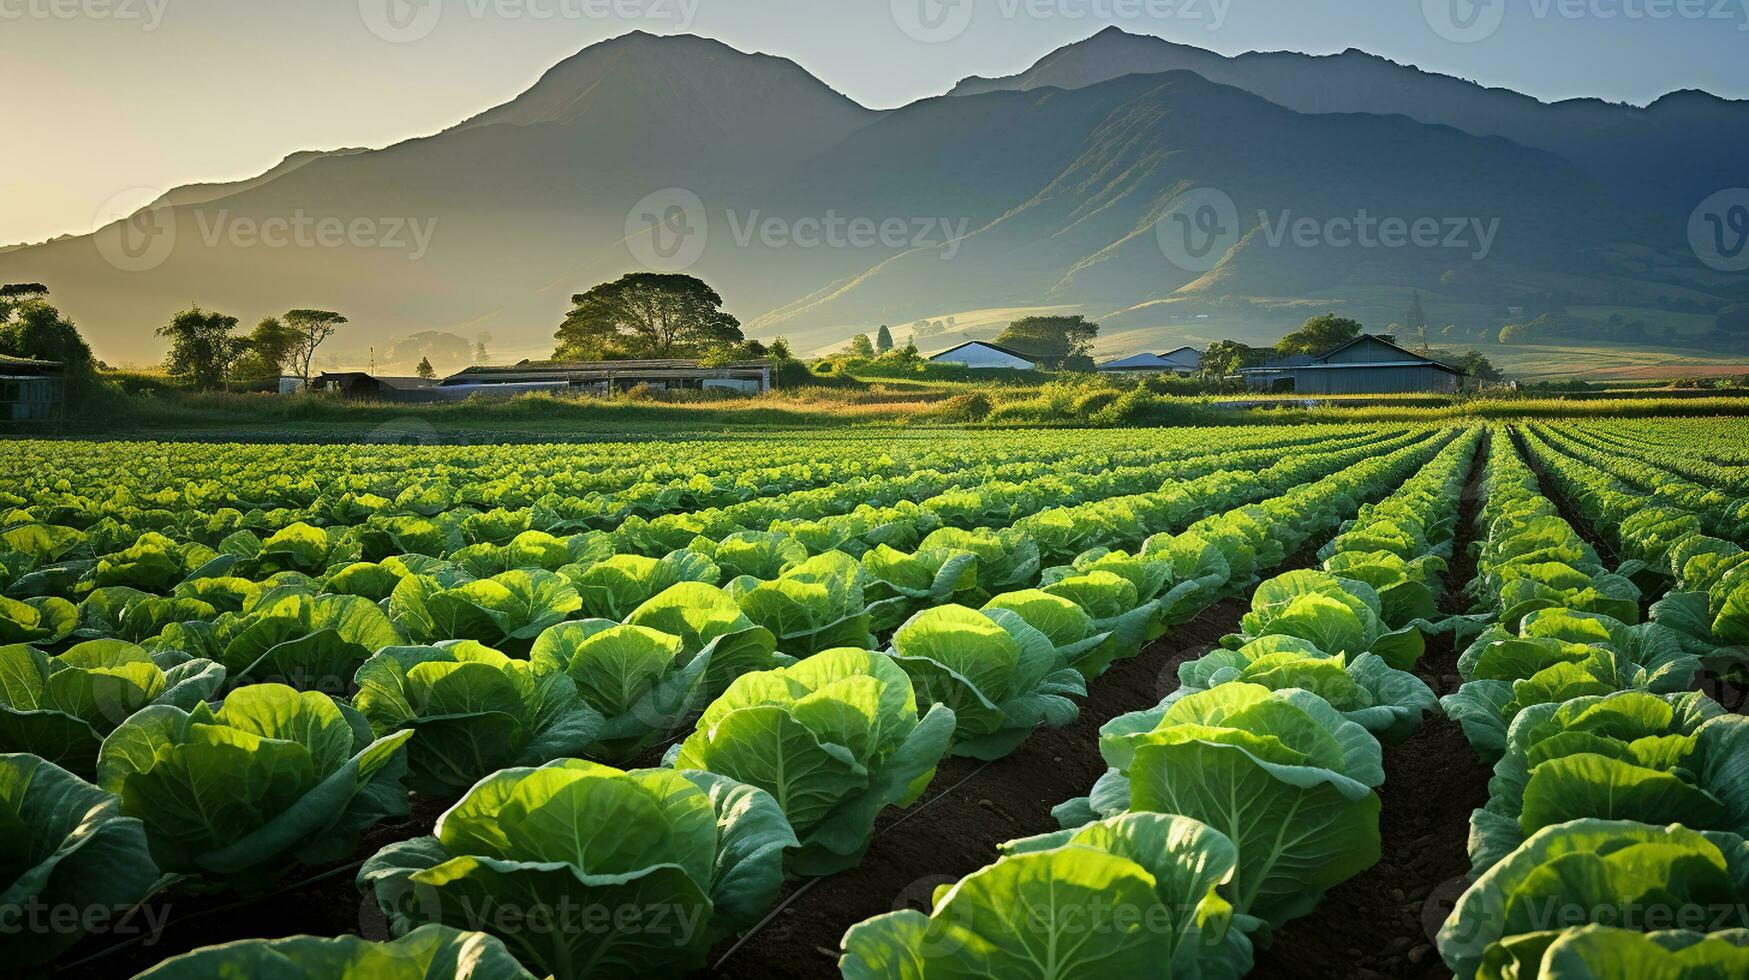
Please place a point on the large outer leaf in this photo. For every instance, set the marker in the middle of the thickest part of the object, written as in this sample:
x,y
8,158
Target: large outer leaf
x,y
64,845
425,953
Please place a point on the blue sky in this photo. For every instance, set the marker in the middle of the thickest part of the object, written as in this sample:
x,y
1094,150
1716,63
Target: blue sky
x,y
122,98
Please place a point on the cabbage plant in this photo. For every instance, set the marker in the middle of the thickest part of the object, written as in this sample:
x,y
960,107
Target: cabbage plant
x,y
711,627
1001,677
1631,755
1078,640
473,712
506,611
288,636
1608,872
46,620
896,584
760,554
1559,654
817,605
1388,702
1137,895
692,855
272,775
61,707
834,739
1595,952
64,844
1281,773
1337,615
426,953
612,587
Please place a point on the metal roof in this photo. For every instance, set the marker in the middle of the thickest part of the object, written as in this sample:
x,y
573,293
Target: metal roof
x,y
664,369
1305,362
8,361
1011,352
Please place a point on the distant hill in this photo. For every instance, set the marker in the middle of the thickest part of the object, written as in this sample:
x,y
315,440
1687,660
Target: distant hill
x,y
1044,191
1670,154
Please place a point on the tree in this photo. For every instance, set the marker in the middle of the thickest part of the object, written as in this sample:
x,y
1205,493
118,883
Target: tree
x,y
34,329
779,349
883,339
266,350
645,314
1224,358
861,347
202,347
481,355
1479,368
310,328
425,370
1319,334
1056,341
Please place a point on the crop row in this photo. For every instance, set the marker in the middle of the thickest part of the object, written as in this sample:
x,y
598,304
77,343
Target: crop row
x,y
1232,805
203,493
1611,843
1708,602
230,791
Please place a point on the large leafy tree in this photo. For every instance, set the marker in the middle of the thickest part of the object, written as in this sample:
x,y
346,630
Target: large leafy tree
x,y
1319,334
861,346
1226,357
266,350
202,347
310,328
883,340
646,314
1059,341
30,327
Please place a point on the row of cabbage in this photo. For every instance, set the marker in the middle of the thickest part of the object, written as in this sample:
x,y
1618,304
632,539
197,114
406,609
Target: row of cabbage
x,y
1611,845
108,564
236,790
314,632
1234,804
526,489
1708,450
1667,523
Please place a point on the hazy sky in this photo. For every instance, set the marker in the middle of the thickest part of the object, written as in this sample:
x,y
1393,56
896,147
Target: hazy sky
x,y
110,101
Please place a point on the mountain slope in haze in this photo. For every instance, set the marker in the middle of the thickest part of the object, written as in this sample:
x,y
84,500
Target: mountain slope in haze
x,y
1672,153
815,217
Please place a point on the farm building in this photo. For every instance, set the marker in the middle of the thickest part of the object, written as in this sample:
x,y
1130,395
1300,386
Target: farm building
x,y
31,390
607,377
369,387
1183,361
1366,365
983,354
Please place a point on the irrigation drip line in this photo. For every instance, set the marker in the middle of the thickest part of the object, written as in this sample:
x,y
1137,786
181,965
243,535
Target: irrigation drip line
x,y
799,892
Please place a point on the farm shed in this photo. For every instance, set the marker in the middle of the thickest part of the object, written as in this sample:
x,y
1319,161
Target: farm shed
x,y
607,377
1183,361
370,387
31,390
1366,365
983,354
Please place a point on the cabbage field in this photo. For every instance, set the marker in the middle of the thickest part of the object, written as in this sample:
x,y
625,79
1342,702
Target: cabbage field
x,y
1311,701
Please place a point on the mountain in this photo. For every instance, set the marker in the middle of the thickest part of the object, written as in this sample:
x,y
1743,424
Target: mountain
x,y
816,217
1670,154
